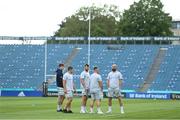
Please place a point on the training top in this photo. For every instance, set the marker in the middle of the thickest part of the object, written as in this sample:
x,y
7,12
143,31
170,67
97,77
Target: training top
x,y
86,77
59,78
114,78
94,82
69,81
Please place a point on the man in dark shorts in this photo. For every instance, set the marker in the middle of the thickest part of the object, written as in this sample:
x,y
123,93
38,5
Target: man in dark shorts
x,y
60,89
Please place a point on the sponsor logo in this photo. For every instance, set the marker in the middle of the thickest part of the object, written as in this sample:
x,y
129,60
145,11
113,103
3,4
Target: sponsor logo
x,y
176,96
148,95
52,94
21,94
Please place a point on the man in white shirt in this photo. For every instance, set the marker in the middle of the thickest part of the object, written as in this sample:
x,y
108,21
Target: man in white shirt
x,y
95,90
84,79
69,89
114,81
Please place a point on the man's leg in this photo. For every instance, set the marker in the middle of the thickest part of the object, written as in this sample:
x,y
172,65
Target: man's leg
x,y
58,103
98,104
110,96
92,103
69,97
60,100
120,101
68,104
83,104
118,95
109,105
69,109
121,104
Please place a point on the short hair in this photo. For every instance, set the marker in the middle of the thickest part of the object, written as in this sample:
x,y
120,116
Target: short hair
x,y
95,68
86,65
114,65
70,68
61,65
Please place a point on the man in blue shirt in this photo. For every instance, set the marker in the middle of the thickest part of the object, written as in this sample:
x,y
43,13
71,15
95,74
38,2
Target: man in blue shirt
x,y
60,89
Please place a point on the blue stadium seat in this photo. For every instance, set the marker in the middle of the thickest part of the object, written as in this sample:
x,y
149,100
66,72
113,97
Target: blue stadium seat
x,y
22,66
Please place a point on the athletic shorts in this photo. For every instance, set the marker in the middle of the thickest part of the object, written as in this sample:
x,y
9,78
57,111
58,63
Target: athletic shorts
x,y
69,94
114,92
85,92
95,96
60,91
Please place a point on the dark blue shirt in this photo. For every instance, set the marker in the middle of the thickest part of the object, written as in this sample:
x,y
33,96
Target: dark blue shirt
x,y
59,78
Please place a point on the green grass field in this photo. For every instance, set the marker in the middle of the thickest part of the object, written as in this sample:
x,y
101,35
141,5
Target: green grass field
x,y
45,108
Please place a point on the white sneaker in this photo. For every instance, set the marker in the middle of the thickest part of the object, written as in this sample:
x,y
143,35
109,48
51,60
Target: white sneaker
x,y
109,111
122,111
91,112
82,111
100,112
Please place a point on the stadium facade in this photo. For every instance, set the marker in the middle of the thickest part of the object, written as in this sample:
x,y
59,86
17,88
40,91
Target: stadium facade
x,y
176,27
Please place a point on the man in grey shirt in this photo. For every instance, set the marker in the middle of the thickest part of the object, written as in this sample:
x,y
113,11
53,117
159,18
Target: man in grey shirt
x,y
95,90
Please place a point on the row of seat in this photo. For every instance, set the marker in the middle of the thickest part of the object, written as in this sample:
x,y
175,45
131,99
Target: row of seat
x,y
22,66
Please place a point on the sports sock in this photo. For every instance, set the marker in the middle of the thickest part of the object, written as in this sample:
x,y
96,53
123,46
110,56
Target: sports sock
x,y
121,108
58,107
82,107
110,108
98,109
91,109
68,109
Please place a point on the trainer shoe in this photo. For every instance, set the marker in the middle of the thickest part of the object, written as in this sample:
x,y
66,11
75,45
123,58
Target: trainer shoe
x,y
109,111
100,112
69,111
64,111
122,111
91,112
82,111
59,110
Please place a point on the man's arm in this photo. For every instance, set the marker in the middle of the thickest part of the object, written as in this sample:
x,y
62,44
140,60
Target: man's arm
x,y
120,82
100,85
108,77
120,79
82,82
108,83
64,86
61,74
74,87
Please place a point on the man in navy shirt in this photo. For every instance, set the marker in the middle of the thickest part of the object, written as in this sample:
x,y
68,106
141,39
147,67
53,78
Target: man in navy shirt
x,y
60,89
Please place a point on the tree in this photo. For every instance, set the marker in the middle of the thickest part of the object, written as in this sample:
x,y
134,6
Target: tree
x,y
145,18
104,22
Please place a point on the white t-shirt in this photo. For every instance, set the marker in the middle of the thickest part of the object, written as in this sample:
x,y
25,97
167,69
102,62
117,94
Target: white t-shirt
x,y
69,81
86,77
114,78
94,82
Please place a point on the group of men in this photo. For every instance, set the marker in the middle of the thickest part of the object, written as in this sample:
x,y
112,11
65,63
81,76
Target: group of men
x,y
91,86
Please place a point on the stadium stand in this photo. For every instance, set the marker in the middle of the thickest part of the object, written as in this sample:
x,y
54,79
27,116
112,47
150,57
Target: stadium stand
x,y
168,78
22,66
